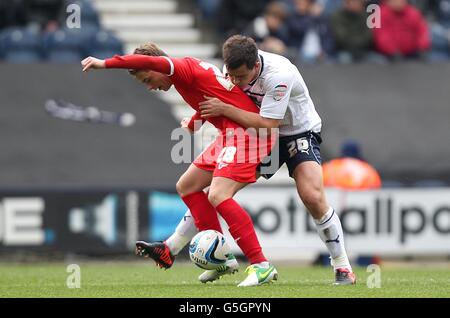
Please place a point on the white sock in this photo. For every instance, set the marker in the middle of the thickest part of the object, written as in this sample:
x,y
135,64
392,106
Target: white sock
x,y
183,234
330,231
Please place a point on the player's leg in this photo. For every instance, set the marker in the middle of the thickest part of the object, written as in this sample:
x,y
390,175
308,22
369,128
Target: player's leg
x,y
231,265
308,177
184,232
190,187
239,222
207,160
305,167
241,228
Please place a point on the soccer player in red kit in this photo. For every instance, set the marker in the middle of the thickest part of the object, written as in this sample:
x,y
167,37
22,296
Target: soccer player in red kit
x,y
227,165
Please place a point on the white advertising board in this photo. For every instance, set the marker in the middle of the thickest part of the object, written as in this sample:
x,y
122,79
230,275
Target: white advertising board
x,y
388,222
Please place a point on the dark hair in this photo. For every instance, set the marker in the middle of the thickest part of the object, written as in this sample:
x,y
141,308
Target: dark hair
x,y
239,50
150,49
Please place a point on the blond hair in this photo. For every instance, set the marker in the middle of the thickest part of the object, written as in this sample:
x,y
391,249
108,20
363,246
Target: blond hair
x,y
150,49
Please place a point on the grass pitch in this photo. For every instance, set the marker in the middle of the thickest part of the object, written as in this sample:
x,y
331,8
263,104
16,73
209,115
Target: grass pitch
x,y
145,280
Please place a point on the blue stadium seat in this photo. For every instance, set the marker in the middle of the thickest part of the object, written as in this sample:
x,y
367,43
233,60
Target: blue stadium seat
x,y
22,57
105,44
19,45
86,33
67,45
63,57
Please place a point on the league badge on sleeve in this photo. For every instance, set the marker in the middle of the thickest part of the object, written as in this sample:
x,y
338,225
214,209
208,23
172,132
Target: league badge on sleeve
x,y
279,92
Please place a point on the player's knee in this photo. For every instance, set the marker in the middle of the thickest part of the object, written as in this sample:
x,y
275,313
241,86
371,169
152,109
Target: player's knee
x,y
312,197
216,197
181,187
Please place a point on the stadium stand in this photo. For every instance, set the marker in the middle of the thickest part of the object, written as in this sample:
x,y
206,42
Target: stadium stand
x,y
65,46
176,26
20,45
89,14
40,33
104,44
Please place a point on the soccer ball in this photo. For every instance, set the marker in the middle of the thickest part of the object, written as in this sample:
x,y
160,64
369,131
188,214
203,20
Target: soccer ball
x,y
209,249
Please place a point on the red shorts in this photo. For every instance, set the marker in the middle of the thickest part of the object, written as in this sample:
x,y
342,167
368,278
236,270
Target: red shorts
x,y
235,158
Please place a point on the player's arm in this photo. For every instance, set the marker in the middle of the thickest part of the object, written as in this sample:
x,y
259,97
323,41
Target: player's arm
x,y
273,106
213,107
161,64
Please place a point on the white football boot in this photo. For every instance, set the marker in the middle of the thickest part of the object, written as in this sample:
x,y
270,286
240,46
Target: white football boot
x,y
231,266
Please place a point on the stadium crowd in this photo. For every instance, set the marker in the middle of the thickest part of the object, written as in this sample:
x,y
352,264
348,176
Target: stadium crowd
x,y
306,31
37,30
311,31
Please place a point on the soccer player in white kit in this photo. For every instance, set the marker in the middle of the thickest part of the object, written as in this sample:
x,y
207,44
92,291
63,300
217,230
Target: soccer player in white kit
x,y
277,87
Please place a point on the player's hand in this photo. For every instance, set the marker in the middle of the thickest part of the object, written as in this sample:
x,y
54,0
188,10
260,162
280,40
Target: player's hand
x,y
212,107
92,63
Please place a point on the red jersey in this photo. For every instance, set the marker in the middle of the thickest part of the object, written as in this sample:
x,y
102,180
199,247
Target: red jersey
x,y
193,79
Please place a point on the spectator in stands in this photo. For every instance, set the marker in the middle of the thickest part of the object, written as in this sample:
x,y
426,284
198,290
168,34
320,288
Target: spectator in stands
x,y
269,30
234,15
403,32
351,171
352,36
309,32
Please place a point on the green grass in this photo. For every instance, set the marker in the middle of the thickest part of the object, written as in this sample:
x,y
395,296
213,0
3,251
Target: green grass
x,y
145,280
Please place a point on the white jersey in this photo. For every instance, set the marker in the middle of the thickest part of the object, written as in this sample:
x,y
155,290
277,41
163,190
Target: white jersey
x,y
281,93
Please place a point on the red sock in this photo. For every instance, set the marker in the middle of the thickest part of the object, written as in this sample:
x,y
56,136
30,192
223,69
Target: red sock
x,y
242,230
204,214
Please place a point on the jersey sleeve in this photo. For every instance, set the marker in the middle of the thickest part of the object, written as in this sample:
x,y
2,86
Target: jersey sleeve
x,y
276,100
178,68
161,64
